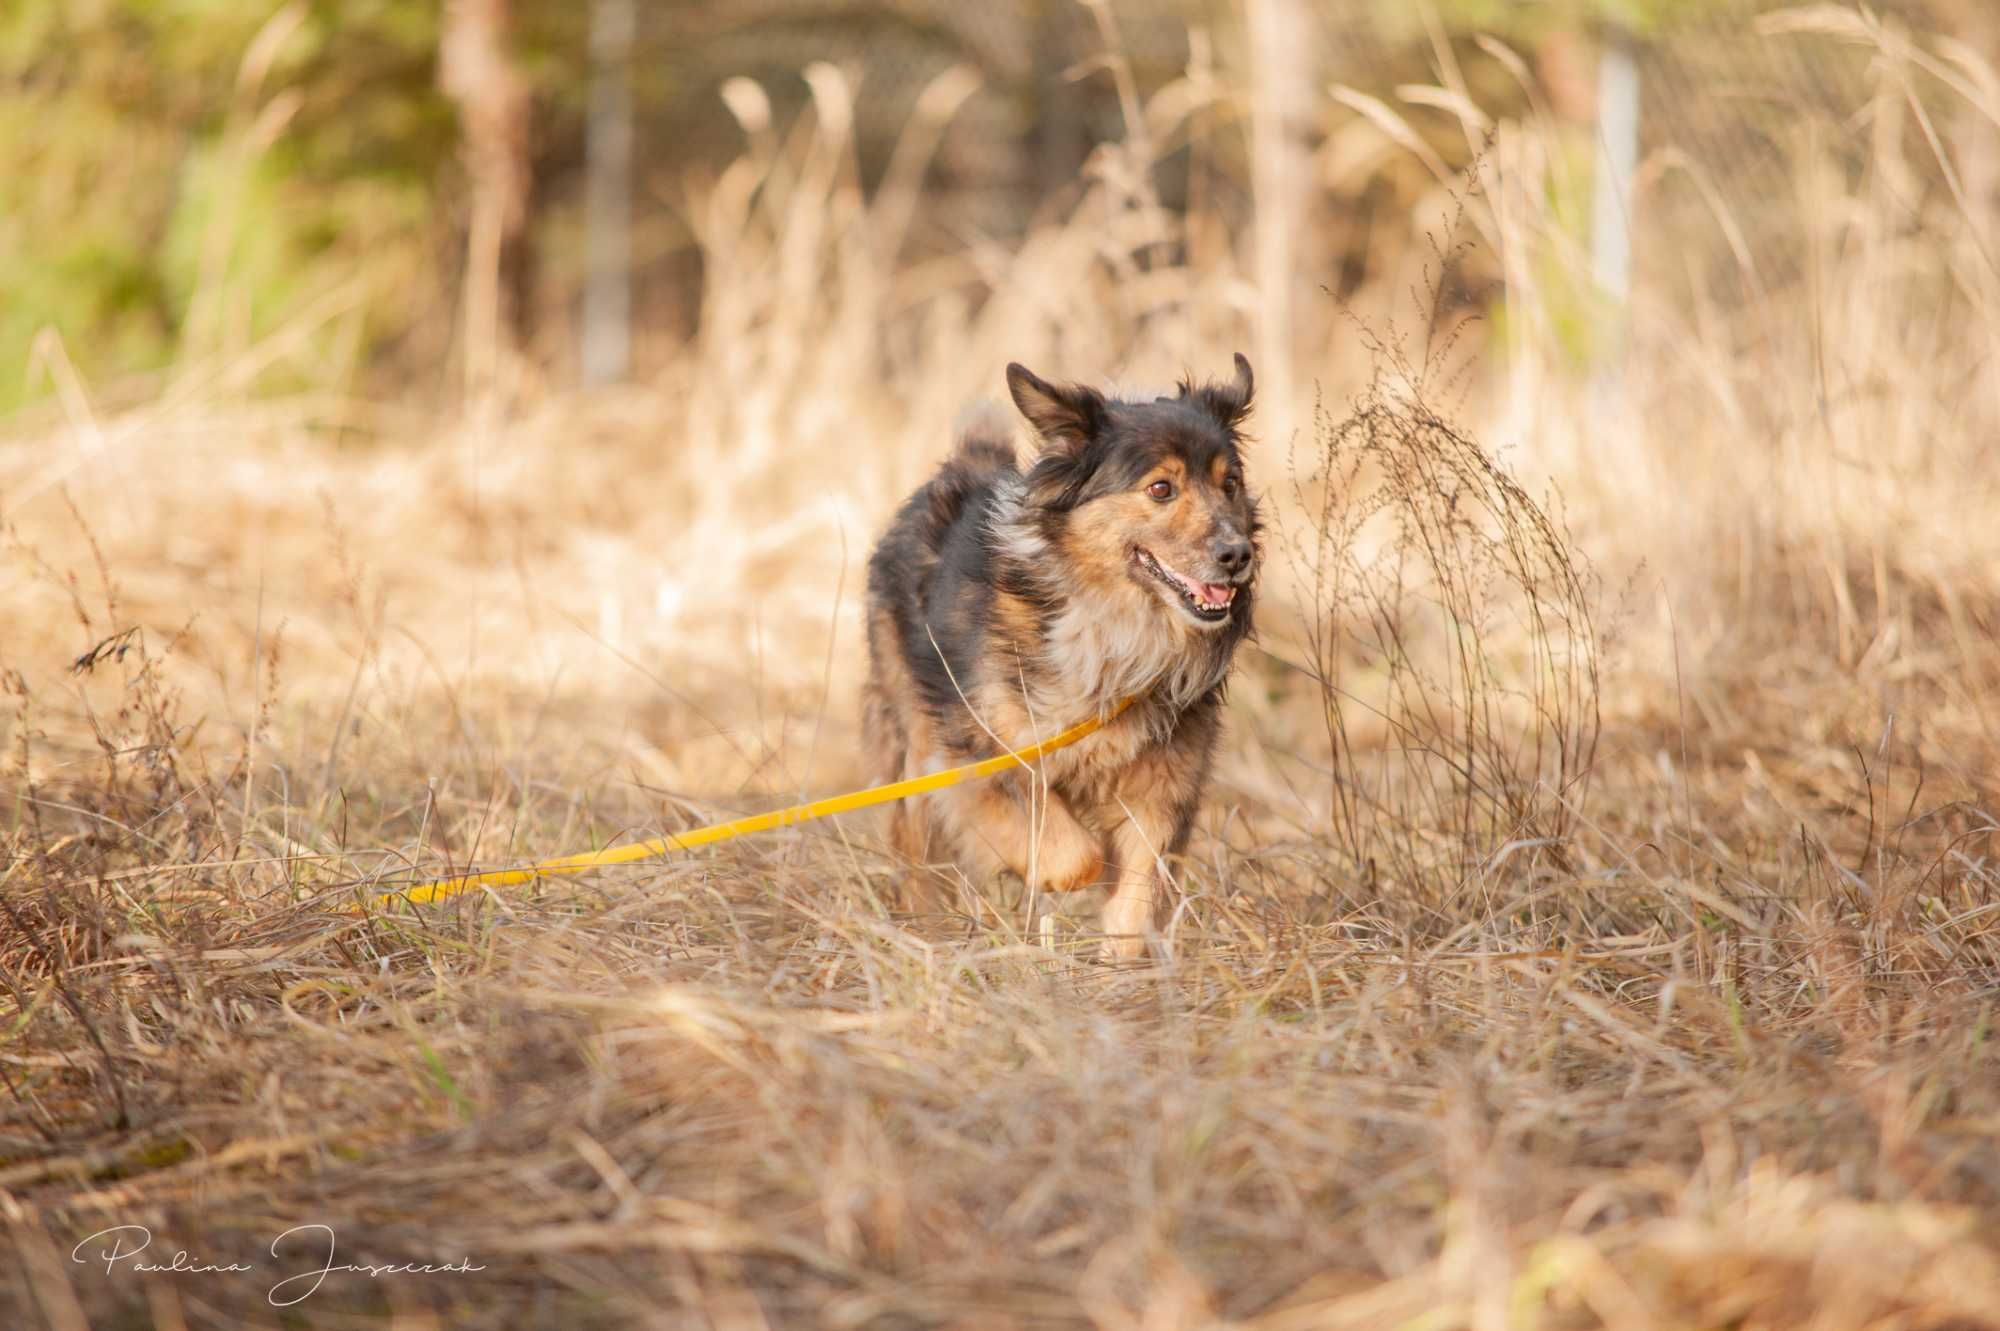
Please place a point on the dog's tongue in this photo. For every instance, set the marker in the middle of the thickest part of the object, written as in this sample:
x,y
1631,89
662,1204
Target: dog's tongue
x,y
1213,593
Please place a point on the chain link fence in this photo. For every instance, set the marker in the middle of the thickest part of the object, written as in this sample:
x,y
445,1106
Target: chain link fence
x,y
1729,92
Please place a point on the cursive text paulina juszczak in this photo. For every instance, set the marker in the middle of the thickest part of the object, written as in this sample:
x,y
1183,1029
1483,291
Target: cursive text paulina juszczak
x,y
311,1248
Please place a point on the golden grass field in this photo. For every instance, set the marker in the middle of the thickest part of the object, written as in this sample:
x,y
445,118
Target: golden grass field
x,y
1593,921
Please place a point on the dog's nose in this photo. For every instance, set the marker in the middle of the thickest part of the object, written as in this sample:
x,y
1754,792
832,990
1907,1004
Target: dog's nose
x,y
1232,553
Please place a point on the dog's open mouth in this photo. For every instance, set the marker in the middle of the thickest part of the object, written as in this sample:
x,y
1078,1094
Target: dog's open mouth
x,y
1206,601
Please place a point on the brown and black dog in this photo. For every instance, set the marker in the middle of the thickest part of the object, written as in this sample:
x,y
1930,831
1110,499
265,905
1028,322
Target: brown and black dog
x,y
1005,605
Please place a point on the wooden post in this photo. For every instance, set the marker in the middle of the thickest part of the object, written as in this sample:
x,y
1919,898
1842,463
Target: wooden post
x,y
1280,99
1617,159
477,72
607,291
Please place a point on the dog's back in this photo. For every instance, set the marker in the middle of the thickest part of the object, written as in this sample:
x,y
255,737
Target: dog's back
x,y
927,578
938,519
930,560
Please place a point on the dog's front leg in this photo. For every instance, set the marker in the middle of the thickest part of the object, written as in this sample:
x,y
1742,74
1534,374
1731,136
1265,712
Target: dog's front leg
x,y
1032,833
1138,844
1151,816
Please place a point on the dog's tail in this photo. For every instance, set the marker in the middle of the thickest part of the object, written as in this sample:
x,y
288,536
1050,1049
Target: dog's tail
x,y
983,449
984,436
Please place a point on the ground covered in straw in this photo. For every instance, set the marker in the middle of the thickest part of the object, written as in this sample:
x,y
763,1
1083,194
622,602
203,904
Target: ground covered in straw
x,y
1705,1041
1593,921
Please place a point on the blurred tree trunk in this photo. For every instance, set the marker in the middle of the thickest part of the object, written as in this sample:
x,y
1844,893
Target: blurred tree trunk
x,y
1281,101
477,72
607,292
1611,196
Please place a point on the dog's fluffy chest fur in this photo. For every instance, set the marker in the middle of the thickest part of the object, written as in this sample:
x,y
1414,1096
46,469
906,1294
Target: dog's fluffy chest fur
x,y
1084,649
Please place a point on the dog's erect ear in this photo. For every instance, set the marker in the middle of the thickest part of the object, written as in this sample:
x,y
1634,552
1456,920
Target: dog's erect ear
x,y
1066,415
1229,403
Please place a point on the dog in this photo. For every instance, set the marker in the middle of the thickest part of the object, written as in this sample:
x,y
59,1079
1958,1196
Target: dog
x,y
1005,604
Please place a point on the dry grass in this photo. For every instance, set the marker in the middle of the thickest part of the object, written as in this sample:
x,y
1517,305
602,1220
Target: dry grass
x,y
1594,921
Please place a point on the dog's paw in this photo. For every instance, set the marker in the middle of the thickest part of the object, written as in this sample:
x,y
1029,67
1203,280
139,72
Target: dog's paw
x,y
1127,920
1122,948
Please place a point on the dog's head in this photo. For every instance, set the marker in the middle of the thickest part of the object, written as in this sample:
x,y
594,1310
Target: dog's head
x,y
1148,494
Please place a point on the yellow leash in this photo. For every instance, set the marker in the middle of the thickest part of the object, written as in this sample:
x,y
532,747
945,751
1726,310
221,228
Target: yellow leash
x,y
762,822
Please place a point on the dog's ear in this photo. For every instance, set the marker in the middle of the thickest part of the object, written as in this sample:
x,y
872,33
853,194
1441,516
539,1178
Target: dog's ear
x,y
1065,416
1228,403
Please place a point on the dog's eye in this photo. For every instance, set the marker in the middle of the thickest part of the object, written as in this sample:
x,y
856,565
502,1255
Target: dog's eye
x,y
1229,486
1161,490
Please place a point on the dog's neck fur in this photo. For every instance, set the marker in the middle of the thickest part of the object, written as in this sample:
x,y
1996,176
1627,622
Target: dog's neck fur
x,y
1091,656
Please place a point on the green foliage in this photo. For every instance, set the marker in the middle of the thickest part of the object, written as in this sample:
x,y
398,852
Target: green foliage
x,y
169,197
1573,312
